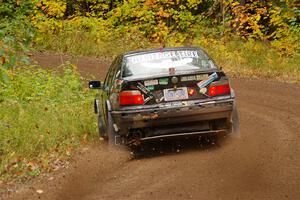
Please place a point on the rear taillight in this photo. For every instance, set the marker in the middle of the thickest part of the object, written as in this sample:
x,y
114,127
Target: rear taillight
x,y
131,97
216,90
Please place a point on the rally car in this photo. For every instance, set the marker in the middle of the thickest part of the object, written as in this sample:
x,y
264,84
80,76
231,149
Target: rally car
x,y
163,93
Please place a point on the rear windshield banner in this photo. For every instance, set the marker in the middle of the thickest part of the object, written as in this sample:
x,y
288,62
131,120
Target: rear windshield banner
x,y
162,55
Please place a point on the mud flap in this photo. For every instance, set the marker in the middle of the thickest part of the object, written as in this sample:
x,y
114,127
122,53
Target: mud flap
x,y
110,130
101,127
235,123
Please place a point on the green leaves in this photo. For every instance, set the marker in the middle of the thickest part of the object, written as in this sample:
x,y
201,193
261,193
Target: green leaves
x,y
3,76
14,9
16,34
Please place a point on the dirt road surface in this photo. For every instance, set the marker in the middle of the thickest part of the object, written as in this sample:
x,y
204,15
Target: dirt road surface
x,y
263,162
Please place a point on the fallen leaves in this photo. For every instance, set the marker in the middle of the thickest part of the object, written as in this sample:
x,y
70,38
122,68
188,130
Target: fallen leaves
x,y
32,166
2,60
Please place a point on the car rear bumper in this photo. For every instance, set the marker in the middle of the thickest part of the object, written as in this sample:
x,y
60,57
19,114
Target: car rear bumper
x,y
177,119
183,134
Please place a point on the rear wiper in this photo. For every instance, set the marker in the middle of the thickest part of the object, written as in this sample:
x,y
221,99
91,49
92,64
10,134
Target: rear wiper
x,y
197,70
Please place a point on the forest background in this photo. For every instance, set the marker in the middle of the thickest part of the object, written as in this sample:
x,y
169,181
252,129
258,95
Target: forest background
x,y
43,114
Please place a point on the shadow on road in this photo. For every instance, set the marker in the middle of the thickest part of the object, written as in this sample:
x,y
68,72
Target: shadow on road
x,y
175,146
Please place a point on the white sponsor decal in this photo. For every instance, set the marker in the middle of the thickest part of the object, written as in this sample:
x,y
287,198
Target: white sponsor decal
x,y
151,82
210,79
194,77
162,55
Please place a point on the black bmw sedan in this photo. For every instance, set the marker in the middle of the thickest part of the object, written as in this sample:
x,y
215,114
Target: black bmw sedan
x,y
163,93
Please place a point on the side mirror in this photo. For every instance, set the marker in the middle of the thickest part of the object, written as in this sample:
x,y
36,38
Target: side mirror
x,y
95,85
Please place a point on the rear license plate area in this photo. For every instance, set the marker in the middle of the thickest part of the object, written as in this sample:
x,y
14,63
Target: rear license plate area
x,y
176,94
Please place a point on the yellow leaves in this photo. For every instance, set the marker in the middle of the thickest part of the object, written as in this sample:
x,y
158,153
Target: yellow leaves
x,y
163,13
235,4
53,8
150,3
182,7
262,11
193,3
159,19
257,19
39,4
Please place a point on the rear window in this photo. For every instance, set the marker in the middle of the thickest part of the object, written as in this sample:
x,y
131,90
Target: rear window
x,y
159,63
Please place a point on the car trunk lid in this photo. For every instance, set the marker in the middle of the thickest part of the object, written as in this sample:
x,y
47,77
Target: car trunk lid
x,y
181,87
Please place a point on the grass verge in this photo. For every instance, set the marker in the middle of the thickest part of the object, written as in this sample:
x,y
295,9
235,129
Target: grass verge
x,y
44,116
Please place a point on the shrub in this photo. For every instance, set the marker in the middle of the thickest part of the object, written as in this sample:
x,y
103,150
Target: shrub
x,y
43,116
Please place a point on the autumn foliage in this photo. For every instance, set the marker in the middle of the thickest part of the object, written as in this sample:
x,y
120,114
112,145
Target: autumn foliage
x,y
158,19
166,22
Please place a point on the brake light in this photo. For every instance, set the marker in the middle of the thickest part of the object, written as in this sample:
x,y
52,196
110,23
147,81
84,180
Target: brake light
x,y
219,90
131,97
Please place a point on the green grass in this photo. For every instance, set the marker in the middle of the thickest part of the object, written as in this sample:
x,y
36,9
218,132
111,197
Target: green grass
x,y
43,118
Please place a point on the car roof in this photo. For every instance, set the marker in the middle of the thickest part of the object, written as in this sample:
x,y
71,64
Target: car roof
x,y
131,53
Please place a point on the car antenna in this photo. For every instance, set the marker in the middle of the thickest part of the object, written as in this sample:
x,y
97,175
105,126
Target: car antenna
x,y
162,48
